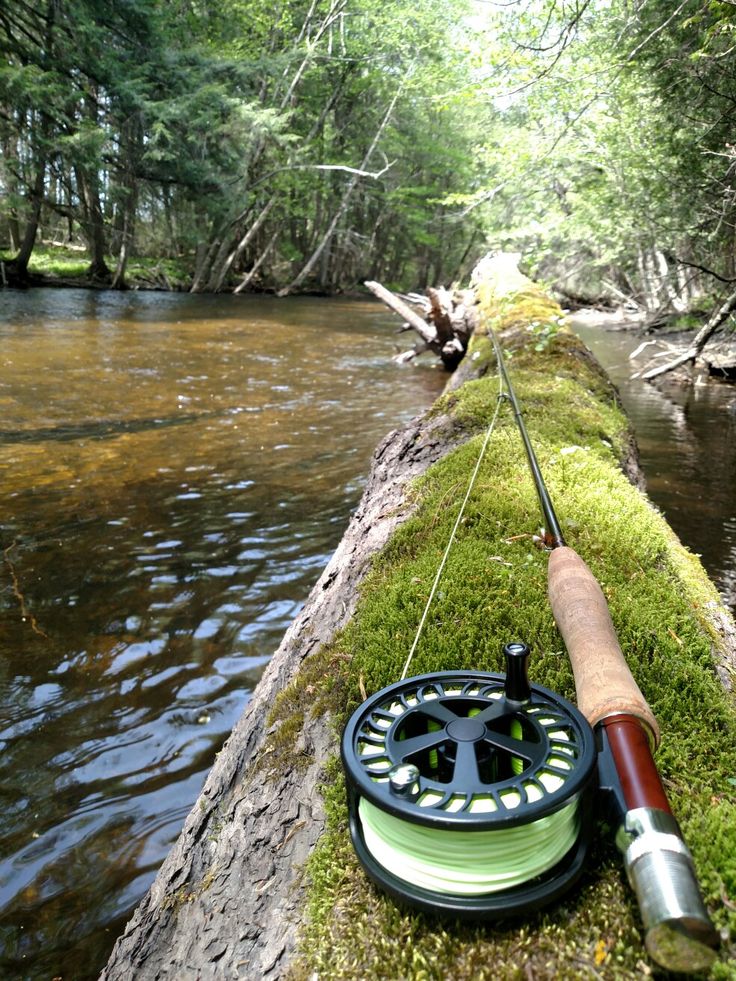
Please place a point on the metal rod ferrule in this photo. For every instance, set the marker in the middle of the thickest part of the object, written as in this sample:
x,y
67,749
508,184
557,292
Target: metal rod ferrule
x,y
678,932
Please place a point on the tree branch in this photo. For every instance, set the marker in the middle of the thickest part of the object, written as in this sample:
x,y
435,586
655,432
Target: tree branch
x,y
699,341
428,335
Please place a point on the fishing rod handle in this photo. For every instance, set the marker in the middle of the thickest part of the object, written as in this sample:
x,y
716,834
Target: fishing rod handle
x,y
604,684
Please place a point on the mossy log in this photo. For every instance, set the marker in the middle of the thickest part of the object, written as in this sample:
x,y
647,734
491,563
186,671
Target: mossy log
x,y
263,883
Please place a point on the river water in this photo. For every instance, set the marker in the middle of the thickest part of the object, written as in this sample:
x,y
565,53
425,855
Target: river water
x,y
176,471
687,445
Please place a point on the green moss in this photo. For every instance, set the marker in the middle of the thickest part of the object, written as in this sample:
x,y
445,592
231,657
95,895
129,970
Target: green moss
x,y
176,900
58,261
494,590
318,688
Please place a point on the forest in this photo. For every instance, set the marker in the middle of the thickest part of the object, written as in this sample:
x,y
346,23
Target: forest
x,y
310,145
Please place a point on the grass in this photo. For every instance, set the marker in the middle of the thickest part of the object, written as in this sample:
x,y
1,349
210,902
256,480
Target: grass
x,y
494,590
55,261
60,262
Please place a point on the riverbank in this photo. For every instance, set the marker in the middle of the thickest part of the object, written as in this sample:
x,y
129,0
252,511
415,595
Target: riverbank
x,y
717,360
64,267
276,797
56,266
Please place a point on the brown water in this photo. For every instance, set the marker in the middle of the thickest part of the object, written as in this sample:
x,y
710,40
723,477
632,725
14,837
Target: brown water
x,y
687,442
176,471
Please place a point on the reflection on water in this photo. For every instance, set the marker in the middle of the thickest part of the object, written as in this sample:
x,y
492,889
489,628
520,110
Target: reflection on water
x,y
687,442
176,472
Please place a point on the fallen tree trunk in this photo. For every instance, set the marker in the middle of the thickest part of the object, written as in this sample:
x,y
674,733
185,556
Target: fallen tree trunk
x,y
699,341
231,892
235,893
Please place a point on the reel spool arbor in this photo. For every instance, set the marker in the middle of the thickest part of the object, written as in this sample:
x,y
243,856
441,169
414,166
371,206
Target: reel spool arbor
x,y
468,792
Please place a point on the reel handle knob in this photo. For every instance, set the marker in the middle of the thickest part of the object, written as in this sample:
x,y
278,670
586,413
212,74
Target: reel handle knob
x,y
516,685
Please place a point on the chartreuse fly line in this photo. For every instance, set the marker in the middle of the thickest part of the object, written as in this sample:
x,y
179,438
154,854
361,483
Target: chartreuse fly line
x,y
468,863
469,792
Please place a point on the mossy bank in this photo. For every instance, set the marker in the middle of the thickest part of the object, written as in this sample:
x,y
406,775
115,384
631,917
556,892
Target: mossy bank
x,y
493,590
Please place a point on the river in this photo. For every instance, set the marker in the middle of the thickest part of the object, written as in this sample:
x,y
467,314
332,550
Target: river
x,y
176,472
687,446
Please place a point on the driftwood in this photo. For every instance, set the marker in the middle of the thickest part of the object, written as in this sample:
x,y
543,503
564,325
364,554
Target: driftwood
x,y
446,327
228,900
699,341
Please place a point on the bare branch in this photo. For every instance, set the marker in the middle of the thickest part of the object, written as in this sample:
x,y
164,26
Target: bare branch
x,y
699,341
427,333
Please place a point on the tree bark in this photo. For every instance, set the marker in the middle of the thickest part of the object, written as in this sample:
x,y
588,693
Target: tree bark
x,y
19,263
10,177
425,331
223,267
248,278
93,224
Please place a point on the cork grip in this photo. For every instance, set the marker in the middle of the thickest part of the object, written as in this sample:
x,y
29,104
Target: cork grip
x,y
603,681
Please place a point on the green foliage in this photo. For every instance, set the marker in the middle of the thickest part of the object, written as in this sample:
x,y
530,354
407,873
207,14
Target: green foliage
x,y
57,262
182,124
621,119
550,128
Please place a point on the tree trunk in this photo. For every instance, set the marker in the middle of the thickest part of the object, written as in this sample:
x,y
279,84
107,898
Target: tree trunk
x,y
19,263
93,224
126,240
10,170
223,253
224,262
248,278
132,136
345,201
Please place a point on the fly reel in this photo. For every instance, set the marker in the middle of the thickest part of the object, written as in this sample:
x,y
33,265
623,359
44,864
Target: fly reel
x,y
468,792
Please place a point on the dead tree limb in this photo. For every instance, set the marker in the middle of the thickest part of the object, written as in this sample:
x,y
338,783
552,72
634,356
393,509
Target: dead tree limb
x,y
699,341
417,323
449,324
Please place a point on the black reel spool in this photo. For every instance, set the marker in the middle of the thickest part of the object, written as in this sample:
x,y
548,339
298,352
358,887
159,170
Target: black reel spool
x,y
469,793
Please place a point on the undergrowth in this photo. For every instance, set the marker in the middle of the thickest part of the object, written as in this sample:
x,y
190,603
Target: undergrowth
x,y
61,262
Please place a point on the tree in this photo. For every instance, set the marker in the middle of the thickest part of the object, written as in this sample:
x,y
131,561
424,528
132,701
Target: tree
x,y
622,176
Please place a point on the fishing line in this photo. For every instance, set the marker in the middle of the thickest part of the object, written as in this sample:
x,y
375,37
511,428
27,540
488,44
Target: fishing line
x,y
461,512
469,792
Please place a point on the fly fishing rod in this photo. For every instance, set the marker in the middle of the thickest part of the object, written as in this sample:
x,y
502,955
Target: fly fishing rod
x,y
659,866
